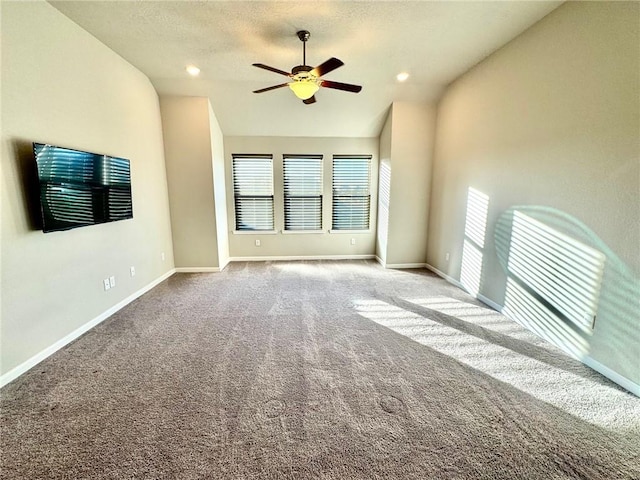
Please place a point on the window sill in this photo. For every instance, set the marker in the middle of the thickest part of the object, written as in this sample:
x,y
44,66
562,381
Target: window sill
x,y
255,232
298,232
350,232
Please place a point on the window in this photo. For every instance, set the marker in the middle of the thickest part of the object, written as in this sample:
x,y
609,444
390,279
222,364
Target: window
x,y
351,194
253,192
302,192
384,196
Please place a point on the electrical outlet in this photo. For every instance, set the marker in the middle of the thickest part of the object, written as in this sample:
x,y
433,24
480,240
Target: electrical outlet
x,y
107,284
257,243
162,256
132,270
112,281
353,241
446,256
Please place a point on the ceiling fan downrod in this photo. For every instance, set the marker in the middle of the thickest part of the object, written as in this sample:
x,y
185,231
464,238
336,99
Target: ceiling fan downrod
x,y
304,35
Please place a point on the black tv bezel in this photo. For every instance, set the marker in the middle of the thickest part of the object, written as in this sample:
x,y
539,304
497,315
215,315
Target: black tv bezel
x,y
49,226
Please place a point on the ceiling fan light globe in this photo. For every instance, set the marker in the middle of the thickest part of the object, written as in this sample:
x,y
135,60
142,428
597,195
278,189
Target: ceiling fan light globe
x,y
304,89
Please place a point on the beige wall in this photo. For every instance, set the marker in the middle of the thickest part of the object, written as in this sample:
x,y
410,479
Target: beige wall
x,y
61,86
551,119
301,244
188,147
412,132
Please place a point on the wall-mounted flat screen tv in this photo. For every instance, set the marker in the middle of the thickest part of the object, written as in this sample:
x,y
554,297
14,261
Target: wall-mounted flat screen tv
x,y
81,188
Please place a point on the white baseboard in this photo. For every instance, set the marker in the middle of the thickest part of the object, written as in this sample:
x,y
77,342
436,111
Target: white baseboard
x,y
197,269
449,279
405,265
301,257
224,263
399,265
487,301
50,350
624,382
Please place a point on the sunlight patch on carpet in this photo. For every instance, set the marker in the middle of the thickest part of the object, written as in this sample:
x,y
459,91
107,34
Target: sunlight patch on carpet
x,y
603,405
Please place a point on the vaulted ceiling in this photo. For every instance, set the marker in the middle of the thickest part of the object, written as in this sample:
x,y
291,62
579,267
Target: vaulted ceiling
x,y
435,42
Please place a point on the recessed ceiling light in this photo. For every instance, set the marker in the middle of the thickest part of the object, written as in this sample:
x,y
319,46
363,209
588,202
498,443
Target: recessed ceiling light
x,y
402,76
193,70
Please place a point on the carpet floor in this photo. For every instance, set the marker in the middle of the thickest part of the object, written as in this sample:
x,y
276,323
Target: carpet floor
x,y
314,370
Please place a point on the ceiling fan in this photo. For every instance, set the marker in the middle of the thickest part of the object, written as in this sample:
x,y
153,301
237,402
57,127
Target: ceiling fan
x,y
306,80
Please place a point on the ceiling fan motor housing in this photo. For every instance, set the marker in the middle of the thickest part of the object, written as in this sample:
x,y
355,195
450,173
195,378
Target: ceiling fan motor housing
x,y
301,68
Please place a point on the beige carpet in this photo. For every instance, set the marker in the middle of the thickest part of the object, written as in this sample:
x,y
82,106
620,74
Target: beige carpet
x,y
301,370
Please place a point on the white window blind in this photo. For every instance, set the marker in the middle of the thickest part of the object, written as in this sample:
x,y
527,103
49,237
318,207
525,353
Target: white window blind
x,y
253,192
351,192
302,192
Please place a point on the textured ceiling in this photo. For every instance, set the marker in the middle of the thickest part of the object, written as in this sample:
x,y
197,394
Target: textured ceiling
x,y
434,41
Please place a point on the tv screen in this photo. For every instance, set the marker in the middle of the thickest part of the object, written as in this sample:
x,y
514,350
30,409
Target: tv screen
x,y
81,188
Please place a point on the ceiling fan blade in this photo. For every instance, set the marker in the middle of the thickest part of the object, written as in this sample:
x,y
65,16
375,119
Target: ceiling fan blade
x,y
270,88
326,67
272,69
347,87
310,100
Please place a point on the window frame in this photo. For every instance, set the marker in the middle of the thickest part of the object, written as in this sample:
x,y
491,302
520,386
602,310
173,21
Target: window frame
x,y
317,176
238,197
334,196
